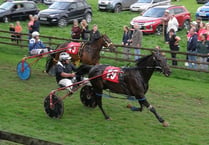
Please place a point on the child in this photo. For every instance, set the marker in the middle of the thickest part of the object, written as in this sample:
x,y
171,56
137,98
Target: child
x,y
12,31
18,30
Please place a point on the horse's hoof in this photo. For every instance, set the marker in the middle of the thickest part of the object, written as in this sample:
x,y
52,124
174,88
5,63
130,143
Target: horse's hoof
x,y
165,124
129,106
108,118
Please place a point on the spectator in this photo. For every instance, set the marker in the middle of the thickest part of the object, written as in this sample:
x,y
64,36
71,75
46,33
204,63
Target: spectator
x,y
84,30
30,23
172,24
12,31
36,25
165,19
207,30
63,71
75,30
198,21
173,44
18,31
126,41
94,34
193,25
192,47
137,40
36,46
201,31
203,48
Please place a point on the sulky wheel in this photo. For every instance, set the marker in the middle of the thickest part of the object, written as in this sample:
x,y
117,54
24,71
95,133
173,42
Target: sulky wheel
x,y
23,70
57,109
87,96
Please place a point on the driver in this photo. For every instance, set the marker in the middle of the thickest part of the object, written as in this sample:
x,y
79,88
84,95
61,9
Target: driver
x,y
36,46
63,71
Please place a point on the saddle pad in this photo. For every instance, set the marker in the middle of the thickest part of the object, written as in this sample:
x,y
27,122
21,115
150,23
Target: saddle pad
x,y
73,47
111,74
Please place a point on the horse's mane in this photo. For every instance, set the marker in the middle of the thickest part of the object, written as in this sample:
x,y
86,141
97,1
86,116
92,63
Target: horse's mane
x,y
141,61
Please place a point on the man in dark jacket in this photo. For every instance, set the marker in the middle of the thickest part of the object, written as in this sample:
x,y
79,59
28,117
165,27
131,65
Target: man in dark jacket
x,y
36,24
192,47
94,34
64,71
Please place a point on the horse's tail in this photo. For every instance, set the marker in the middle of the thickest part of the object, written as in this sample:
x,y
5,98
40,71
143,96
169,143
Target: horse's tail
x,y
82,70
49,62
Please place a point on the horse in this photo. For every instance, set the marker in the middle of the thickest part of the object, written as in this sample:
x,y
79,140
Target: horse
x,y
89,53
133,81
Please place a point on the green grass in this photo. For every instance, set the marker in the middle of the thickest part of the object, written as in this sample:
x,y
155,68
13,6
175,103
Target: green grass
x,y
181,99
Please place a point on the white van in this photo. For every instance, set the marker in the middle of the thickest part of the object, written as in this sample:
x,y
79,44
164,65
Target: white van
x,y
142,5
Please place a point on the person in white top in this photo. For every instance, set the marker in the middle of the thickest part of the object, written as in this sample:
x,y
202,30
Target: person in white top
x,y
36,46
172,24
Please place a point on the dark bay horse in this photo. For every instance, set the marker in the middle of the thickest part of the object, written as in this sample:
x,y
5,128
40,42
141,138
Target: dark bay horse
x,y
89,53
133,82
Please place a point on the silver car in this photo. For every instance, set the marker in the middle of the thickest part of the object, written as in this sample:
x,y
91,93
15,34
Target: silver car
x,y
143,5
115,5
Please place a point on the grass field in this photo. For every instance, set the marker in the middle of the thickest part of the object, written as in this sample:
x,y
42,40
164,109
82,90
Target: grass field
x,y
181,99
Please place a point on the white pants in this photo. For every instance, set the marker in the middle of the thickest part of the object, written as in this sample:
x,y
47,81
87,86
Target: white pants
x,y
65,83
38,51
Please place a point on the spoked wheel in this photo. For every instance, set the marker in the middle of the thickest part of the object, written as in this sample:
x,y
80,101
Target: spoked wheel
x,y
23,70
88,97
57,109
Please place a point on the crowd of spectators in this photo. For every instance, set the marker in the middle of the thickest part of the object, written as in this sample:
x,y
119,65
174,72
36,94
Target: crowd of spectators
x,y
198,43
197,38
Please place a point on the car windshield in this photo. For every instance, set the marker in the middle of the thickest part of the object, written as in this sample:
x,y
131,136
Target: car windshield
x,y
59,5
154,12
144,1
6,5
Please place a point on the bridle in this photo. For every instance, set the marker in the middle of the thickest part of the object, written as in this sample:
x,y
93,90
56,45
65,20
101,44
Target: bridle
x,y
106,42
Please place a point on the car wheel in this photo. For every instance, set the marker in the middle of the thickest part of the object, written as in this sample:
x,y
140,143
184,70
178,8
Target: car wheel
x,y
88,18
118,8
159,29
62,22
186,25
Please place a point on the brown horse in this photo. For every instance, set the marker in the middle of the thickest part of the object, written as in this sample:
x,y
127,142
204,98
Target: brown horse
x,y
88,53
132,81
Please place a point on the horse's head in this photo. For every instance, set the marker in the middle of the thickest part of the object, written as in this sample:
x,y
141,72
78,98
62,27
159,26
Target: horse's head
x,y
161,63
108,43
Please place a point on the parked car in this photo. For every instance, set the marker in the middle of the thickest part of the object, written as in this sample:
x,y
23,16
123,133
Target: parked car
x,y
203,12
17,10
48,2
142,5
62,12
202,1
151,20
115,5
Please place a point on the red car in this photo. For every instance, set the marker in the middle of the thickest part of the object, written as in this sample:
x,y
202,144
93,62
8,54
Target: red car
x,y
150,21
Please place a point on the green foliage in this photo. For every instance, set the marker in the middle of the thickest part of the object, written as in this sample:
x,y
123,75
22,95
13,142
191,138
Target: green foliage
x,y
181,99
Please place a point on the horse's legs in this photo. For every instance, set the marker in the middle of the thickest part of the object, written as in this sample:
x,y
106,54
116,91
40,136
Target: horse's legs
x,y
153,110
99,103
